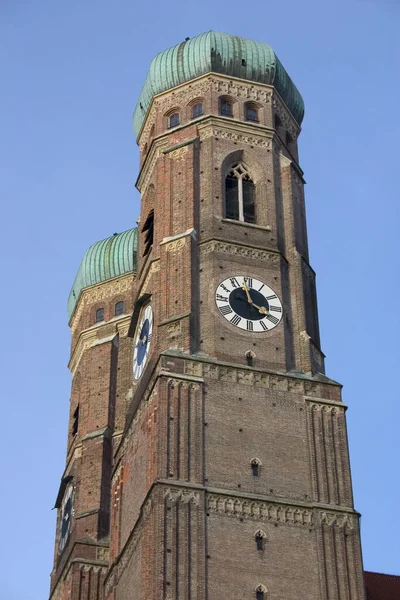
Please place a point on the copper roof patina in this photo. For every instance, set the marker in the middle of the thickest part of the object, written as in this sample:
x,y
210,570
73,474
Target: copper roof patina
x,y
215,52
104,260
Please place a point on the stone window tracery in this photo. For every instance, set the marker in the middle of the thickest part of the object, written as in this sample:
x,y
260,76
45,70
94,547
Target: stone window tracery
x,y
240,194
260,538
261,592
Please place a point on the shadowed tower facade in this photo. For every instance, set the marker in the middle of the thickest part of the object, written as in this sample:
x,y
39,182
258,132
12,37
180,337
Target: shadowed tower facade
x,y
207,449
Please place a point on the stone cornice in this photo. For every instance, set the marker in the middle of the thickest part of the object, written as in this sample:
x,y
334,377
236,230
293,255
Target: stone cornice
x,y
88,338
100,291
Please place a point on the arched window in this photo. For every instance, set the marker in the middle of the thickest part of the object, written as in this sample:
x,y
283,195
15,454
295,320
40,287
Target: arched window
x,y
197,110
255,467
251,112
260,539
173,120
225,107
119,308
277,122
261,592
99,315
240,195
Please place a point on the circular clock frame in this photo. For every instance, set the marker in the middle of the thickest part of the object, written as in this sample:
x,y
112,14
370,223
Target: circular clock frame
x,y
142,341
248,303
67,511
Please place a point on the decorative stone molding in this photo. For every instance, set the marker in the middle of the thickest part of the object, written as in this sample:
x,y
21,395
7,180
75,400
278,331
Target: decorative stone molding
x,y
261,588
179,153
341,520
147,172
239,250
103,554
175,245
254,509
287,120
174,496
285,383
245,90
232,134
260,534
101,291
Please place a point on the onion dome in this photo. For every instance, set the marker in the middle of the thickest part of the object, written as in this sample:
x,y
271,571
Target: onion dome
x,y
214,52
104,260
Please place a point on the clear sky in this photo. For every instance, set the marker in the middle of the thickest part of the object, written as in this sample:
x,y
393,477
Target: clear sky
x,y
70,76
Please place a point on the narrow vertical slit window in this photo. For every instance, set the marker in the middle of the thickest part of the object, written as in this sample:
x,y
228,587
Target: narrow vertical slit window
x,y
255,468
259,595
240,195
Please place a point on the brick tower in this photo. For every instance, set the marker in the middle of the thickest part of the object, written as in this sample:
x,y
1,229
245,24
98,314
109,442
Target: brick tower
x,y
207,450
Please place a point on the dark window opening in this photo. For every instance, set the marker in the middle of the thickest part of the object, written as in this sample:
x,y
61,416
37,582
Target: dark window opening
x,y
255,469
260,542
277,122
251,114
240,195
197,110
119,308
148,230
174,120
232,198
75,423
226,108
259,595
99,315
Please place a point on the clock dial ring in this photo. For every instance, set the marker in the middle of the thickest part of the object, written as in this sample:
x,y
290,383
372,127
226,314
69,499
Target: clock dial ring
x,y
248,303
142,342
66,517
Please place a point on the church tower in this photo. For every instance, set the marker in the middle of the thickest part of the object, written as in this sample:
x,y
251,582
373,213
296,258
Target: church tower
x,y
207,449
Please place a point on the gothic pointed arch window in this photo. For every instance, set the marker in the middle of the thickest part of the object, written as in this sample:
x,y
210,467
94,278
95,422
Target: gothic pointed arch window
x,y
240,194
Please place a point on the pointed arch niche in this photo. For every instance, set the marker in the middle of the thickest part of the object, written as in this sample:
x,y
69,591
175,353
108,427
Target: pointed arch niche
x,y
244,189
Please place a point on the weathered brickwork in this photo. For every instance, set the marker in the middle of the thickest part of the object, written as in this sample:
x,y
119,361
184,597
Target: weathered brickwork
x,y
212,476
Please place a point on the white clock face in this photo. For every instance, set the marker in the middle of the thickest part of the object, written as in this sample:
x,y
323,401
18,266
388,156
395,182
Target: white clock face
x,y
142,342
248,303
66,516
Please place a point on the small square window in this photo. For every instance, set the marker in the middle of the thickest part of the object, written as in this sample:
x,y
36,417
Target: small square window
x,y
197,110
174,120
119,308
226,109
251,114
99,315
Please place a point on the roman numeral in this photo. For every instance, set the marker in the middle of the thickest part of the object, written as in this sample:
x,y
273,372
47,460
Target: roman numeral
x,y
248,281
234,282
225,310
275,308
272,297
236,320
263,325
222,298
249,325
224,288
273,319
261,288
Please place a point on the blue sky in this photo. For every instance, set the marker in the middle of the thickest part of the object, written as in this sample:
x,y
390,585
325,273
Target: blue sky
x,y
71,73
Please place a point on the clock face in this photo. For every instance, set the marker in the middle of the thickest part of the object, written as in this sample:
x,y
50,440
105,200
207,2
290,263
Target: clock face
x,y
66,516
142,342
248,303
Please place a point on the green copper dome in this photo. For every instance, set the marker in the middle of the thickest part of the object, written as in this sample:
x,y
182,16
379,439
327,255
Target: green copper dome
x,y
104,260
218,53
